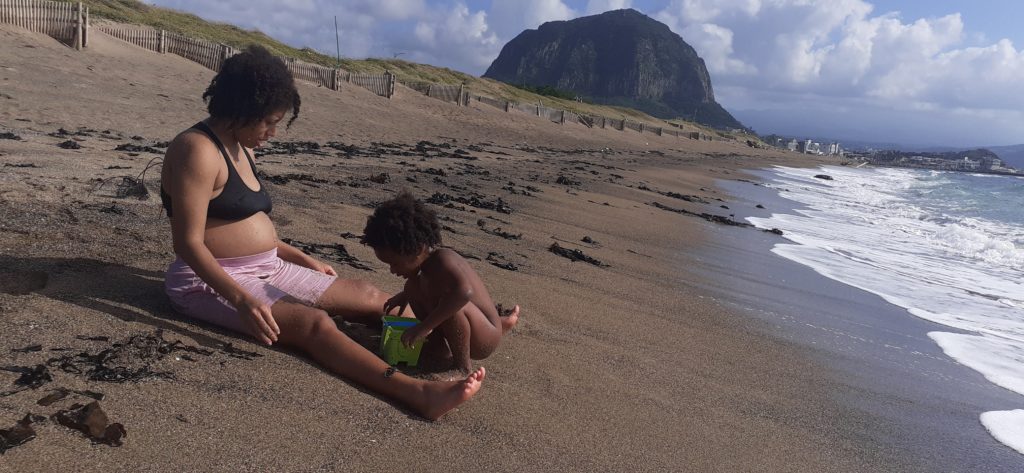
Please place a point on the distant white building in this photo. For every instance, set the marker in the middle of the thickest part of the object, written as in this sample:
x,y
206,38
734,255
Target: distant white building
x,y
792,145
833,149
810,147
968,164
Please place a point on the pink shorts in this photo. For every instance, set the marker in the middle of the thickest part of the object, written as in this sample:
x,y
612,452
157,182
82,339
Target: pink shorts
x,y
264,275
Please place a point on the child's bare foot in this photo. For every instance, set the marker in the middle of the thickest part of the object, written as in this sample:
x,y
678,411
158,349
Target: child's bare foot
x,y
442,397
510,320
447,375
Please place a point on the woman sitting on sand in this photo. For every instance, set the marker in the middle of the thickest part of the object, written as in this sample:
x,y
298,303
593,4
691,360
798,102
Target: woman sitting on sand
x,y
234,272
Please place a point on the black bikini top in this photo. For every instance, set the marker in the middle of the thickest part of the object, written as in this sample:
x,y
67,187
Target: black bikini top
x,y
237,201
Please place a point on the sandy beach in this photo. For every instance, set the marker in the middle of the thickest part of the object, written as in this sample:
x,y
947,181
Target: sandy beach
x,y
632,364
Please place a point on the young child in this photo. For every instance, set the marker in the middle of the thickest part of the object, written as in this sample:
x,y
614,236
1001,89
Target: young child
x,y
442,289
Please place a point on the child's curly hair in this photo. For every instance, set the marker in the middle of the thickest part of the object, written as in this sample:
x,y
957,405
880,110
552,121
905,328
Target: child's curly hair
x,y
250,86
403,225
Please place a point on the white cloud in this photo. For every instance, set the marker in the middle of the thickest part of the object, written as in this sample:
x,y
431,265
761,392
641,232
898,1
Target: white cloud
x,y
511,17
458,37
714,44
595,7
790,50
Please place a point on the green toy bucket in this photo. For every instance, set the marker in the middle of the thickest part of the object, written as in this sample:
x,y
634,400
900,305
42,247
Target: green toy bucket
x,y
391,348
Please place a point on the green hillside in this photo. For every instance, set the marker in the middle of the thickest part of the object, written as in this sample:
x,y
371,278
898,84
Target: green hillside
x,y
135,12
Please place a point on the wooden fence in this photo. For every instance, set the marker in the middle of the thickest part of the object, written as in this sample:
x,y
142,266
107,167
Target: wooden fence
x,y
69,22
419,86
496,103
316,74
380,84
149,38
567,116
446,92
211,55
63,21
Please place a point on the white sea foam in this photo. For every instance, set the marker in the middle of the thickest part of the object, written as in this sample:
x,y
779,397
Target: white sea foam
x,y
947,247
1006,427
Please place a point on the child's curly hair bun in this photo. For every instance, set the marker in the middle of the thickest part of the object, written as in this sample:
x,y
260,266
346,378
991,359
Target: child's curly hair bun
x,y
403,225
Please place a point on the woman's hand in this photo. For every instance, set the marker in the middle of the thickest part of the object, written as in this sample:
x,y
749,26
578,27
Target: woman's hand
x,y
257,316
294,255
398,300
414,334
322,267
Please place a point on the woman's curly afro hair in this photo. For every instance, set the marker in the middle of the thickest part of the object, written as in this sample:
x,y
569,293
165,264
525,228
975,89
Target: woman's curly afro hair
x,y
403,225
250,86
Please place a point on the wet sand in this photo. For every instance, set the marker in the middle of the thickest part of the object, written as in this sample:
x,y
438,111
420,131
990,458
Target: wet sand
x,y
625,365
882,363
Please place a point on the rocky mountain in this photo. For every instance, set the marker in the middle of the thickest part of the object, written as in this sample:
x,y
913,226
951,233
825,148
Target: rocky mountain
x,y
1012,155
620,57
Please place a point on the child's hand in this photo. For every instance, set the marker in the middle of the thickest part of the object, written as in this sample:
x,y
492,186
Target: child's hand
x,y
414,334
398,300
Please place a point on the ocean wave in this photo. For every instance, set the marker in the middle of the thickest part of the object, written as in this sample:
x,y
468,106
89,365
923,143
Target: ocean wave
x,y
947,247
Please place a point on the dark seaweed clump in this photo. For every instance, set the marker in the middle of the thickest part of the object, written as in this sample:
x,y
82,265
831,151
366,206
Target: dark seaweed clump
x,y
575,255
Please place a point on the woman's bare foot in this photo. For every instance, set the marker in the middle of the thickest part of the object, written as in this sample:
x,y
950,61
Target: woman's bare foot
x,y
510,320
442,397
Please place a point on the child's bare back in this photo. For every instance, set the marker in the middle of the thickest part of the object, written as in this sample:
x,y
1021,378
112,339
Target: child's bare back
x,y
447,275
443,290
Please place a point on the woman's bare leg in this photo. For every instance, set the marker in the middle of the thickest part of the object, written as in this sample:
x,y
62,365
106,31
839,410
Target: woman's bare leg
x,y
356,300
314,333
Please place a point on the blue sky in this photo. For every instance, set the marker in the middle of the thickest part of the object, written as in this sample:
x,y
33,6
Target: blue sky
x,y
937,72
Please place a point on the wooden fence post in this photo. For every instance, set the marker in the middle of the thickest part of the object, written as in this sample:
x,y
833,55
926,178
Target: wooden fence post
x,y
85,31
334,79
561,118
163,41
225,52
79,27
507,106
389,83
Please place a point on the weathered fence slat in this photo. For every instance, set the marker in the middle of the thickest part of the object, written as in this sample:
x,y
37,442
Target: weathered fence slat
x,y
63,21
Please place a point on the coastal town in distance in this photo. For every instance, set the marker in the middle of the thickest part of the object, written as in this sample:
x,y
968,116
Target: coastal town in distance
x,y
976,160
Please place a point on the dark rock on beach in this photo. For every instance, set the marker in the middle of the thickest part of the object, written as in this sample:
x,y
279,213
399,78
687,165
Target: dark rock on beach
x,y
19,434
92,421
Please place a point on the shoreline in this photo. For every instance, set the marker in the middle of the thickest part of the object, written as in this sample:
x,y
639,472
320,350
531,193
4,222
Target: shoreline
x,y
924,401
